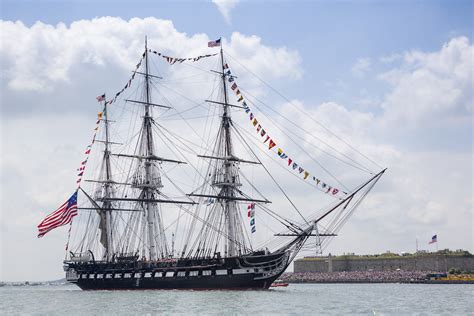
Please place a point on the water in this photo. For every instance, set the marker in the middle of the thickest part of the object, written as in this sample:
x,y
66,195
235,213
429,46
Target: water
x,y
297,299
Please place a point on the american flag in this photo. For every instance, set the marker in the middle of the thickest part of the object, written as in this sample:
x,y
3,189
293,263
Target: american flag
x,y
62,216
215,43
434,239
100,98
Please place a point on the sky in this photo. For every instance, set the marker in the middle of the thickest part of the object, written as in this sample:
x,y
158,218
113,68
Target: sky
x,y
392,77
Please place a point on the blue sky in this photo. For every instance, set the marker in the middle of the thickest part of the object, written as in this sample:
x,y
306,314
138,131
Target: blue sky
x,y
395,77
329,35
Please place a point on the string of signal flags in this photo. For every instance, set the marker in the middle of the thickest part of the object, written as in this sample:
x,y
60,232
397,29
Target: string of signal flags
x,y
261,131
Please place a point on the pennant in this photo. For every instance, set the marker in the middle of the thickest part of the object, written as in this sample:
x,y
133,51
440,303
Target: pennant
x,y
240,99
306,174
334,191
255,122
317,181
245,104
259,127
324,185
84,162
100,98
271,144
252,222
80,174
247,110
96,128
268,137
237,92
99,115
234,86
226,66
300,170
284,156
329,189
78,180
280,151
231,79
254,229
295,165
263,133
290,161
87,152
251,116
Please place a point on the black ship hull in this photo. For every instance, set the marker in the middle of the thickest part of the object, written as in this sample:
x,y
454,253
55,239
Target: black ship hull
x,y
191,283
245,272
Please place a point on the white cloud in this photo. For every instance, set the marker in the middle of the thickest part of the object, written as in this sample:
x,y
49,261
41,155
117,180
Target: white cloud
x,y
414,198
431,85
225,6
390,58
47,54
361,67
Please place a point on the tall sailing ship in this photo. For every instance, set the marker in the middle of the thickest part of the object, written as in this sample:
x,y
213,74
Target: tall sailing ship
x,y
132,233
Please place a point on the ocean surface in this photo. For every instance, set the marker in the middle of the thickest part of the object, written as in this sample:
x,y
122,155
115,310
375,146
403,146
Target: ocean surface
x,y
296,299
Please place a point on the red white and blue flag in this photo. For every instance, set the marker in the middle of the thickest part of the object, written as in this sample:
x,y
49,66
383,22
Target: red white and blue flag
x,y
215,43
434,239
62,216
100,98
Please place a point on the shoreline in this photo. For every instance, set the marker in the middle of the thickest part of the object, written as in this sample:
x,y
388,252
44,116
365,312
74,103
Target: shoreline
x,y
381,282
360,277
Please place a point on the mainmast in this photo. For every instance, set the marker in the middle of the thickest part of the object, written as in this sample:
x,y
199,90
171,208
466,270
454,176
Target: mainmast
x,y
225,183
148,179
228,180
230,206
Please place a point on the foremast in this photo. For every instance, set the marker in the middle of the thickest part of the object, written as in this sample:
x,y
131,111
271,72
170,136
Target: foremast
x,y
106,193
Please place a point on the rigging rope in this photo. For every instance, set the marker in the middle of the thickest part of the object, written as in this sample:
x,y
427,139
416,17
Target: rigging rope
x,y
304,112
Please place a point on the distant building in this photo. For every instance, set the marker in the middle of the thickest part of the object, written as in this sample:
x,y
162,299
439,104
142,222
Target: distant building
x,y
441,261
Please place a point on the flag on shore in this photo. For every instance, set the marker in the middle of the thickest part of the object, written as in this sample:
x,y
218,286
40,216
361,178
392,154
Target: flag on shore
x,y
100,98
433,239
62,216
215,43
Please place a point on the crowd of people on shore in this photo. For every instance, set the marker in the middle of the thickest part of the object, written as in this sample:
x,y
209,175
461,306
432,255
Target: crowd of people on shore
x,y
355,276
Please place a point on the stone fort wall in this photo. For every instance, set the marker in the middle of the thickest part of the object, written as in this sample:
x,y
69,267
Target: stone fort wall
x,y
411,263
